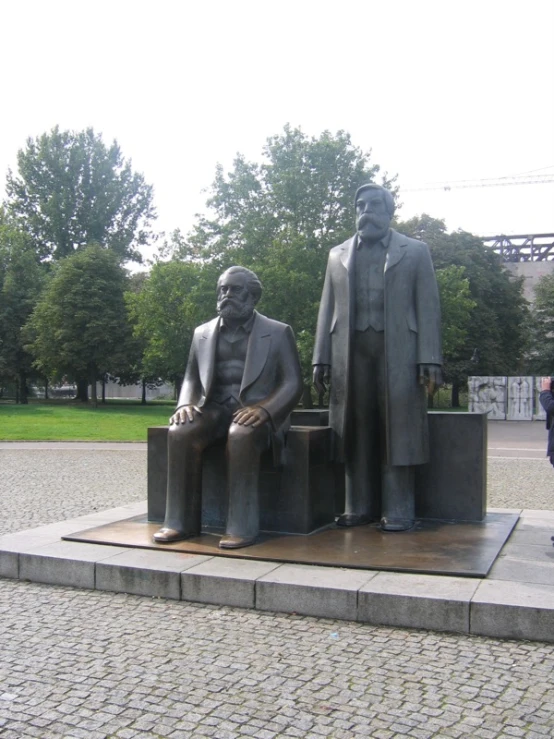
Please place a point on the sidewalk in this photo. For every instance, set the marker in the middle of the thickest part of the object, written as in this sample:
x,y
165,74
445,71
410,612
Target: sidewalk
x,y
515,600
88,662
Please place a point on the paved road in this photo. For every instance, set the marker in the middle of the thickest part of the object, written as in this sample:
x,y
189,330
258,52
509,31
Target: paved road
x,y
523,439
97,665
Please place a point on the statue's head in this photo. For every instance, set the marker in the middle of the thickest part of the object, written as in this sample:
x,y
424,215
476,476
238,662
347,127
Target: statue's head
x,y
374,211
238,292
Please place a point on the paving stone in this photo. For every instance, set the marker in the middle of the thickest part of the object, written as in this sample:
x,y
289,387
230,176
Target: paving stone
x,y
145,572
9,566
417,601
64,563
78,658
513,610
321,591
224,581
539,571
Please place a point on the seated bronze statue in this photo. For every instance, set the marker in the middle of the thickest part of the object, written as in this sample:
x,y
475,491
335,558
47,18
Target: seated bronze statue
x,y
241,383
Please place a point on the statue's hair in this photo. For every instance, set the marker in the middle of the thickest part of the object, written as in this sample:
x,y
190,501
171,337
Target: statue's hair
x,y
387,195
253,284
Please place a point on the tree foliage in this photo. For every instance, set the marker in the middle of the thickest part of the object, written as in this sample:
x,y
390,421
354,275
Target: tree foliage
x,y
542,328
174,299
280,217
496,338
457,308
300,196
79,326
21,279
71,190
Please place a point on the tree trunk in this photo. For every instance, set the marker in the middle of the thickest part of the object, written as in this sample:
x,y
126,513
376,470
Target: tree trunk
x,y
82,390
92,383
23,393
45,388
455,394
103,388
307,397
430,400
143,398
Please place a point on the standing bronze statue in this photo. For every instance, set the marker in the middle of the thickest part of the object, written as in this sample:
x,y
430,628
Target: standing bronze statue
x,y
378,342
242,381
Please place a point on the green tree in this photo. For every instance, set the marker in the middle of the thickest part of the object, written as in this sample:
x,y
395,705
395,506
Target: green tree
x,y
174,299
541,361
301,194
71,190
21,280
79,326
496,338
457,307
280,217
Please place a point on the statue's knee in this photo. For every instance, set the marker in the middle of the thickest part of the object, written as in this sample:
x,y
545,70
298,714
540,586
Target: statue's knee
x,y
183,433
238,433
247,436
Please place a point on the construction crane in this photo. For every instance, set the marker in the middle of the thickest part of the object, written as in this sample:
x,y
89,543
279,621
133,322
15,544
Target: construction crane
x,y
531,179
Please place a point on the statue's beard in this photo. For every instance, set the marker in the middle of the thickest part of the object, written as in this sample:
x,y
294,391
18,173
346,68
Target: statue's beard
x,y
235,311
372,228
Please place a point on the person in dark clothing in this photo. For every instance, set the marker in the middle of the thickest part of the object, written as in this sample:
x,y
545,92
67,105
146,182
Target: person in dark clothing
x,y
546,399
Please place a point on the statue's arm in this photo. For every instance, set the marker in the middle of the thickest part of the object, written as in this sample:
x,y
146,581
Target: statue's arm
x,y
322,347
430,375
286,393
321,377
187,405
428,313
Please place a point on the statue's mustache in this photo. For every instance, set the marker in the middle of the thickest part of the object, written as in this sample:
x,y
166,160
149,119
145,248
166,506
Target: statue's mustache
x,y
365,219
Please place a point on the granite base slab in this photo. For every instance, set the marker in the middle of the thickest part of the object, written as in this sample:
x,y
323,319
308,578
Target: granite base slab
x,y
463,549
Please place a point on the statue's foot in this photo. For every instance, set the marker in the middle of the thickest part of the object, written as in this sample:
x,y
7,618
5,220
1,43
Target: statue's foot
x,y
396,524
235,542
353,519
167,535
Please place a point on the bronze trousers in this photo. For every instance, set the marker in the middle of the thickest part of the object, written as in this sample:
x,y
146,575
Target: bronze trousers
x,y
186,442
373,487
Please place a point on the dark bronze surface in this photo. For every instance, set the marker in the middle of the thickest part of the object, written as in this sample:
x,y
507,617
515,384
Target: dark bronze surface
x,y
434,547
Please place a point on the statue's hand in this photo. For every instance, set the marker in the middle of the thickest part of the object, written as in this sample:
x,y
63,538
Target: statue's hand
x,y
184,414
430,375
253,415
321,377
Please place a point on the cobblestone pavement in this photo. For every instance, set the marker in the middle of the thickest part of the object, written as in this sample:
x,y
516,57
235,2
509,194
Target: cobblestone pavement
x,y
40,487
98,665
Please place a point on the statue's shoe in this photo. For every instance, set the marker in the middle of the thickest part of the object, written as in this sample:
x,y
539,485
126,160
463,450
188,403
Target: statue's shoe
x,y
396,524
353,519
167,535
235,542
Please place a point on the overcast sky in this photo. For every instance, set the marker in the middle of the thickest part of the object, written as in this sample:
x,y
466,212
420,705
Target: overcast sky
x,y
439,91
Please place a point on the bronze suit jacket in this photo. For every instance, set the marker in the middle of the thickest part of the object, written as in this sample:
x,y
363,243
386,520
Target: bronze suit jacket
x,y
272,377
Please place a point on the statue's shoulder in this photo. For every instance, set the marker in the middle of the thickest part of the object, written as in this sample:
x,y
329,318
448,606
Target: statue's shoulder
x,y
206,328
270,324
408,240
336,251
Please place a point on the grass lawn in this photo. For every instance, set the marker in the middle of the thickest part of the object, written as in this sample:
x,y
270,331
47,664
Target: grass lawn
x,y
65,420
61,420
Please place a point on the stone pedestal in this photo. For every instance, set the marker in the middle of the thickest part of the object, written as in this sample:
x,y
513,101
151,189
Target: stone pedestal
x,y
296,498
307,492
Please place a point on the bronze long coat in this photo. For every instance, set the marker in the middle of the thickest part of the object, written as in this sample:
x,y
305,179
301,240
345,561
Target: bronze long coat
x,y
412,337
